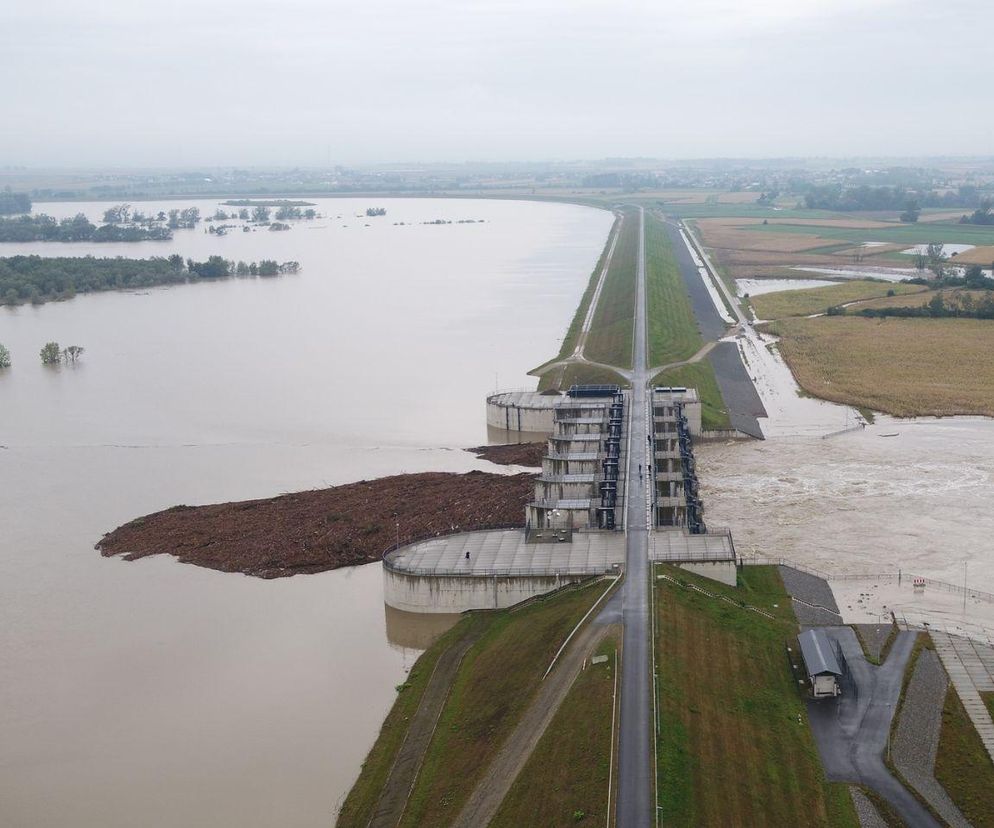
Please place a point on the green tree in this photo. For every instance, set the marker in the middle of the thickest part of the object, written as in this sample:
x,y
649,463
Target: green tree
x,y
4,357
260,214
72,353
911,212
51,353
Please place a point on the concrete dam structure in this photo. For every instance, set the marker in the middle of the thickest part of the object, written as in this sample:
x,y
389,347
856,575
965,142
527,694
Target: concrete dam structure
x,y
574,525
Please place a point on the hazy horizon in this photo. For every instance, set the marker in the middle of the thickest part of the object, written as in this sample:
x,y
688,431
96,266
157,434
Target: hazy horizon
x,y
306,83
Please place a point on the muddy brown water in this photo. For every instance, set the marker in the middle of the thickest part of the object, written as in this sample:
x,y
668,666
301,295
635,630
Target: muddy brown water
x,y
161,694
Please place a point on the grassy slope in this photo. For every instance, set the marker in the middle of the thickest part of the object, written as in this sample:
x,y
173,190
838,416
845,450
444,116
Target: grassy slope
x,y
565,780
989,701
731,750
578,372
673,334
573,332
496,680
358,806
700,375
906,367
610,337
963,766
817,300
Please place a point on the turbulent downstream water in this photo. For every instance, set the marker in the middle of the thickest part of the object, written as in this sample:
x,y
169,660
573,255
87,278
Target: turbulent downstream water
x,y
160,694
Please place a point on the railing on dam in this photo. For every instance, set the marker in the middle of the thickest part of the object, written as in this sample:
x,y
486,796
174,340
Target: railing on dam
x,y
887,577
505,572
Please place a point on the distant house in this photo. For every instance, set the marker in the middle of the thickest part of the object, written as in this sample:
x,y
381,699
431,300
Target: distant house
x,y
821,663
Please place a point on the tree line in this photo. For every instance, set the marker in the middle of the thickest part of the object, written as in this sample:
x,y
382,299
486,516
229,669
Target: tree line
x,y
39,279
13,203
51,354
78,228
836,197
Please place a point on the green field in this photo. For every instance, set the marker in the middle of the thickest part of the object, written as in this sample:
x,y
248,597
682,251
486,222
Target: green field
x,y
610,337
733,745
806,301
496,681
898,234
962,765
565,780
700,375
672,329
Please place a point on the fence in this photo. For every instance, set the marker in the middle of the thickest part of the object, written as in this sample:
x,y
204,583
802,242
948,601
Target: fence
x,y
887,577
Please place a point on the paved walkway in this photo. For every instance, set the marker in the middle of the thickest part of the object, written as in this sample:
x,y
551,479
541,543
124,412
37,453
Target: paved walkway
x,y
970,666
636,781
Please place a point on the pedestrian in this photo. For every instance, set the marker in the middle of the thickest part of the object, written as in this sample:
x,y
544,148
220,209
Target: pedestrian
x,y
467,554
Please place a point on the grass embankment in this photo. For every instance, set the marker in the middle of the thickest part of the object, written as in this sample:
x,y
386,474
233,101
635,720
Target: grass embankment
x,y
734,747
962,765
495,683
989,701
358,806
700,375
672,329
905,367
581,373
576,325
806,301
566,779
610,337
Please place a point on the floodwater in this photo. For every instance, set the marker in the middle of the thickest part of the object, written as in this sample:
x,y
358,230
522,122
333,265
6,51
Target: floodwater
x,y
161,694
901,494
757,287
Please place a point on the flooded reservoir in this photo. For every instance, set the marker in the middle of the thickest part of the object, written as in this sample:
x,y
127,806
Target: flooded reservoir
x,y
161,694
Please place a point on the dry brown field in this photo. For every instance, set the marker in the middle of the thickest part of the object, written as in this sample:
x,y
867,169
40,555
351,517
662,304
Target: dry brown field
x,y
905,367
979,255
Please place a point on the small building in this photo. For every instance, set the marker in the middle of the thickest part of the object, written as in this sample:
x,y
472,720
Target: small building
x,y
820,662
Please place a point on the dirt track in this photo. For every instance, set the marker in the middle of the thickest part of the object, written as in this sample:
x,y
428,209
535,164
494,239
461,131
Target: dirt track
x,y
323,529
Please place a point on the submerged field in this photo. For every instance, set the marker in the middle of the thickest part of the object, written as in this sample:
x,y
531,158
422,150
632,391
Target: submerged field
x,y
905,367
734,747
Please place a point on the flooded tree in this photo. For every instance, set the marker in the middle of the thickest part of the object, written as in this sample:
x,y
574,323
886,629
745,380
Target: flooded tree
x,y
4,357
51,354
72,353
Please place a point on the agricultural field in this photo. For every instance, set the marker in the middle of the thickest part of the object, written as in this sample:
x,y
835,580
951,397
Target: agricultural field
x,y
700,375
672,330
610,337
917,299
894,232
817,300
905,367
733,744
565,781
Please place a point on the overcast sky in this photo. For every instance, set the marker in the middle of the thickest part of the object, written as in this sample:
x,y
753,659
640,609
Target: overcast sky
x,y
276,82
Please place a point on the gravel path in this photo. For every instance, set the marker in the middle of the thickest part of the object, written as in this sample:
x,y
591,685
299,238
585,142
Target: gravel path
x,y
869,816
916,738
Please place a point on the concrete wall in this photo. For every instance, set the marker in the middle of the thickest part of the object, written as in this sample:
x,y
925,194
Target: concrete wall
x,y
722,571
457,593
519,418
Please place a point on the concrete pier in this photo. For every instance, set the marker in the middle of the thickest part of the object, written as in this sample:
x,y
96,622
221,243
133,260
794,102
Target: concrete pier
x,y
492,569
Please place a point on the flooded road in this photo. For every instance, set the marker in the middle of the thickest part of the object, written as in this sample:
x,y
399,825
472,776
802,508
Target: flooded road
x,y
161,694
